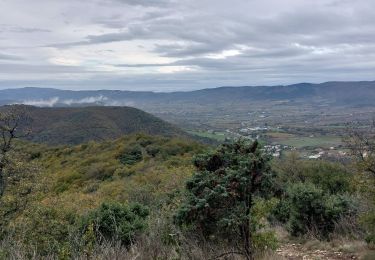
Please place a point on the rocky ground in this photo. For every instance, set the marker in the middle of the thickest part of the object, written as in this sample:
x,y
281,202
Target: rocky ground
x,y
298,252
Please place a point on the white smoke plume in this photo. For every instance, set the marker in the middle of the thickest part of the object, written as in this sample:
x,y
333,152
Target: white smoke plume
x,y
69,102
85,100
41,102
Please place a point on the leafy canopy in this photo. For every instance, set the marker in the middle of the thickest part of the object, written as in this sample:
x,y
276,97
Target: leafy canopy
x,y
116,221
220,193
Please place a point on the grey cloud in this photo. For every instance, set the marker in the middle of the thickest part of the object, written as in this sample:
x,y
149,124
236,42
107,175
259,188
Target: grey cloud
x,y
277,42
12,68
160,3
214,36
9,57
134,32
29,30
145,65
21,29
178,50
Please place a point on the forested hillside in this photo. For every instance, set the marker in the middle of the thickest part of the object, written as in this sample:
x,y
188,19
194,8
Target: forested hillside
x,y
50,189
168,198
82,124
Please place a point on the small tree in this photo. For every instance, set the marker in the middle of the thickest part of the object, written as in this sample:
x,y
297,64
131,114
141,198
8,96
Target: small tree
x,y
221,193
13,124
361,143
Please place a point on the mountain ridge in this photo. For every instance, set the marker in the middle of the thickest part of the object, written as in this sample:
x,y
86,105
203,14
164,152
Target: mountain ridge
x,y
75,125
334,91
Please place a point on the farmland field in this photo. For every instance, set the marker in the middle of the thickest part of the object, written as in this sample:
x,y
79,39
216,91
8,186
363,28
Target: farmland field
x,y
318,141
218,136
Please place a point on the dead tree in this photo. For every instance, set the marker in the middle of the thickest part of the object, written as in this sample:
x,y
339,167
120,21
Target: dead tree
x,y
361,143
14,124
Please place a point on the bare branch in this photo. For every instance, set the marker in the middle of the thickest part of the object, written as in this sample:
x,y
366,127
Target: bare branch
x,y
14,122
361,143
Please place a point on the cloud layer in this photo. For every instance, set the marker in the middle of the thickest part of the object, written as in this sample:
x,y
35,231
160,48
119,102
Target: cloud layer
x,y
166,45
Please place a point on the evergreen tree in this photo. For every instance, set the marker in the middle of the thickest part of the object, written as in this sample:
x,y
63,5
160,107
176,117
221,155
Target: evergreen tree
x,y
221,193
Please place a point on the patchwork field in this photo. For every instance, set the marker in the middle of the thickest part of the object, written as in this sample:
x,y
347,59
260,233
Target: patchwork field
x,y
305,141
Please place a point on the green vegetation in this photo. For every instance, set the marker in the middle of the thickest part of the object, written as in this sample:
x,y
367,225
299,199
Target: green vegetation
x,y
60,194
113,221
300,142
361,142
314,196
221,194
307,208
78,125
170,198
217,136
133,155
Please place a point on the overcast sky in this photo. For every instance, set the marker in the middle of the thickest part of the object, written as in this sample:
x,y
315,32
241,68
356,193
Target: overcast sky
x,y
166,45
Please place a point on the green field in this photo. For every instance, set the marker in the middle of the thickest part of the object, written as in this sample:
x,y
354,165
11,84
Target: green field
x,y
218,136
318,141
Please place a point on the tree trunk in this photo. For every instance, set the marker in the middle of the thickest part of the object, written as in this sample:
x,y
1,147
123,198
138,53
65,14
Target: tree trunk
x,y
246,230
2,182
2,177
247,242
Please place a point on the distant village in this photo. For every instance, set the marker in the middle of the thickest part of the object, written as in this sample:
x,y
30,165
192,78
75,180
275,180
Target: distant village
x,y
277,149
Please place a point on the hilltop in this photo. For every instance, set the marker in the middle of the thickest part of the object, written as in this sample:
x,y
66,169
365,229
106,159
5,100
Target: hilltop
x,y
75,125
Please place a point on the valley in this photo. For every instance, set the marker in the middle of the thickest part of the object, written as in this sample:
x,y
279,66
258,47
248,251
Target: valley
x,y
165,169
187,130
310,118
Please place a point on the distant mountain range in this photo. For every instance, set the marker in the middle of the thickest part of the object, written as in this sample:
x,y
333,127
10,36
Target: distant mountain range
x,y
78,125
335,93
211,109
349,93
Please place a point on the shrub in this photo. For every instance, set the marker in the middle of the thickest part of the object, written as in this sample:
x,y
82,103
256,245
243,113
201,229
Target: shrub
x,y
45,229
131,155
265,240
116,222
144,140
368,221
99,171
331,177
307,208
153,150
35,155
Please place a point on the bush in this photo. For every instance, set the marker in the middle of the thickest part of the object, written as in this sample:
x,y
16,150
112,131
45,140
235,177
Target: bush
x,y
99,171
368,221
153,150
131,155
45,229
307,208
115,222
331,177
145,140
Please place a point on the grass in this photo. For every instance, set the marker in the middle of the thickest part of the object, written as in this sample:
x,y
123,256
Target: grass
x,y
218,136
304,141
319,141
279,135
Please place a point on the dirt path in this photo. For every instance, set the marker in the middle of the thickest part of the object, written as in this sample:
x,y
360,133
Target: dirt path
x,y
298,252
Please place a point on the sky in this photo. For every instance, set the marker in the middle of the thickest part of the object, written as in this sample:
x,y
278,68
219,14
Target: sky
x,y
179,45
